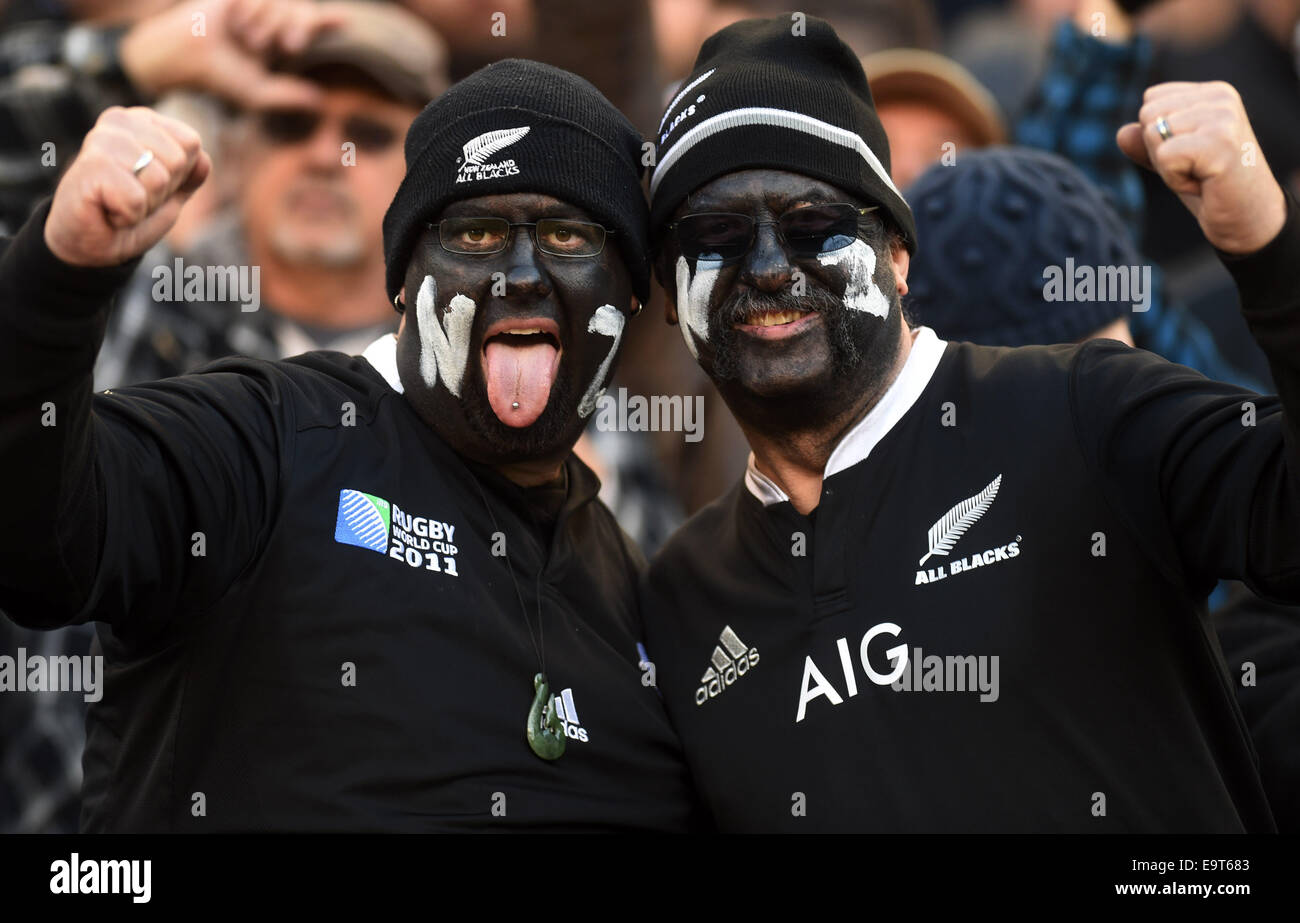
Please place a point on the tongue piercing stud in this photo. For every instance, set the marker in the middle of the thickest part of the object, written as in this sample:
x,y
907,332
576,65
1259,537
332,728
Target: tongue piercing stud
x,y
514,405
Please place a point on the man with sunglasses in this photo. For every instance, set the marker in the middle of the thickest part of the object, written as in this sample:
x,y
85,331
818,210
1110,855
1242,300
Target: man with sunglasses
x,y
352,593
960,588
308,183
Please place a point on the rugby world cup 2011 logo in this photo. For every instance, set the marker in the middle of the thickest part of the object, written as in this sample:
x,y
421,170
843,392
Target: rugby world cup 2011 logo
x,y
363,520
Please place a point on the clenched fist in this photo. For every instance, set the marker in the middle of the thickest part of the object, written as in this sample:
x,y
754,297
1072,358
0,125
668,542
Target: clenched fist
x,y
1211,159
104,212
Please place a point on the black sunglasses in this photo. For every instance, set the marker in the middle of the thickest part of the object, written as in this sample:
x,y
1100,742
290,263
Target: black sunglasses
x,y
806,231
565,237
293,126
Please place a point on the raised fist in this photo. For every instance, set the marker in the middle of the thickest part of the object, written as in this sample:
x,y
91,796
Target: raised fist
x,y
125,188
1209,156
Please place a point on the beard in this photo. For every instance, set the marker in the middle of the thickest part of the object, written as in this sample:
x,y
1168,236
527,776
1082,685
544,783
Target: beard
x,y
343,250
299,240
555,430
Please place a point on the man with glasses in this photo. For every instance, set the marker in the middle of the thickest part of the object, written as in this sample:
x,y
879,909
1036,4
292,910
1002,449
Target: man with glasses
x,y
960,588
352,593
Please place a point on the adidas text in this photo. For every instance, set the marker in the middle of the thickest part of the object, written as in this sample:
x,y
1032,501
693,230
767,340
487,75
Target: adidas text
x,y
567,712
731,660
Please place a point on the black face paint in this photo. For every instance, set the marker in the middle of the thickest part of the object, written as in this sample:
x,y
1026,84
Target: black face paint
x,y
821,364
529,338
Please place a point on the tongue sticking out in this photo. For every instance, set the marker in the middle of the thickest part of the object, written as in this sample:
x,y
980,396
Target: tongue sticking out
x,y
520,375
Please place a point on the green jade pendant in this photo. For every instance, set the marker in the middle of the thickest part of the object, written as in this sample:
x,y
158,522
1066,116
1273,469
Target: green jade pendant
x,y
545,731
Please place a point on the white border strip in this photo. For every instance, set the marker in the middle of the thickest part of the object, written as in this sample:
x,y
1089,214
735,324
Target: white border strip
x,y
777,118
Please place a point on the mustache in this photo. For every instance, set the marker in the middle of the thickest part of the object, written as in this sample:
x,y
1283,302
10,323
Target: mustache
x,y
749,303
340,195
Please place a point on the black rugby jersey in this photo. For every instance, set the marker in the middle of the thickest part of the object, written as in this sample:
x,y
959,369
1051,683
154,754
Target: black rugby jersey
x,y
995,620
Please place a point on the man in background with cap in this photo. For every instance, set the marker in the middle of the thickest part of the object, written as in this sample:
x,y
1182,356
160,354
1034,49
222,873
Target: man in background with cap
x,y
960,588
351,593
309,182
930,106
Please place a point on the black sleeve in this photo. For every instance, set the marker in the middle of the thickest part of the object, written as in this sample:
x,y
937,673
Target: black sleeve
x,y
1206,474
1267,637
104,495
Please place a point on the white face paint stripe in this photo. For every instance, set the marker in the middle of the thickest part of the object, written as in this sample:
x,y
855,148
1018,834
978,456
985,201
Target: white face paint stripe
x,y
427,316
445,346
607,321
693,296
684,305
776,118
860,291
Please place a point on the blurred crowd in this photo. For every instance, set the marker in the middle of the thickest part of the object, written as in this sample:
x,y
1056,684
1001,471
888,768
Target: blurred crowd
x,y
307,150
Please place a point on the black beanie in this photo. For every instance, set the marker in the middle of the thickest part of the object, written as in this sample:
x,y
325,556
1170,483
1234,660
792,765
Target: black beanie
x,y
993,223
763,95
521,126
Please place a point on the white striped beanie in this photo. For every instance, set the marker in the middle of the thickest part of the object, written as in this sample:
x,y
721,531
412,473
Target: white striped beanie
x,y
783,93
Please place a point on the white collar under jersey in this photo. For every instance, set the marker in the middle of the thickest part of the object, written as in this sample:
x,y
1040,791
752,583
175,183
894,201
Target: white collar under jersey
x,y
927,350
382,354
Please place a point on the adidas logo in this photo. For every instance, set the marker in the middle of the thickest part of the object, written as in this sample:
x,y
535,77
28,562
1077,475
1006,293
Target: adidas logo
x,y
731,659
567,712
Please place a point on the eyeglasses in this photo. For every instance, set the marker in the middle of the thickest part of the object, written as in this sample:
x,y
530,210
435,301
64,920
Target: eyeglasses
x,y
555,236
293,126
807,231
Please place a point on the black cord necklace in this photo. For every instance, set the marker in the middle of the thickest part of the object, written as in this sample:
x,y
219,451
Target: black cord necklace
x,y
545,731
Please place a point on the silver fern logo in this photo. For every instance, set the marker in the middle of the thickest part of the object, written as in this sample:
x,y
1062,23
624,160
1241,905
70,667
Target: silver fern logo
x,y
951,526
474,163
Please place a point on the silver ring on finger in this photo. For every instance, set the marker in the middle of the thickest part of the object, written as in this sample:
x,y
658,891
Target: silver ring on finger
x,y
142,161
1163,130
